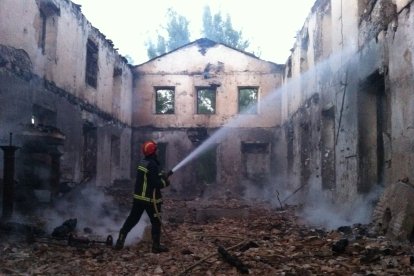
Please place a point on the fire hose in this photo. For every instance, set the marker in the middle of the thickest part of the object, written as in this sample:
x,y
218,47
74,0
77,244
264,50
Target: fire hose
x,y
75,241
78,241
156,208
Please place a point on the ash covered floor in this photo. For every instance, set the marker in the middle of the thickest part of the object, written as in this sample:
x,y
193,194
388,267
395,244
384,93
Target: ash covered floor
x,y
265,241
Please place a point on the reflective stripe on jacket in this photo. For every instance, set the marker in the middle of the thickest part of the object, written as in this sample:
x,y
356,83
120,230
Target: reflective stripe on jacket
x,y
149,178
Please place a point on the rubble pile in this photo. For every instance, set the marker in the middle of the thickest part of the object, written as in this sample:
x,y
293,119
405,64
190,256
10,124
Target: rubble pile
x,y
263,242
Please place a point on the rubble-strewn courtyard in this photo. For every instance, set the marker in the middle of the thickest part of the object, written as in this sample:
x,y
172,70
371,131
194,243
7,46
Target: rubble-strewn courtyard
x,y
261,241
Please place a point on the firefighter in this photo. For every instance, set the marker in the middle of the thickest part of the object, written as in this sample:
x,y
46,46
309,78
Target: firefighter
x,y
147,197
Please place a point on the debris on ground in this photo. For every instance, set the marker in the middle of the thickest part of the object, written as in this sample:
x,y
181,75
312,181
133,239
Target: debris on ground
x,y
263,241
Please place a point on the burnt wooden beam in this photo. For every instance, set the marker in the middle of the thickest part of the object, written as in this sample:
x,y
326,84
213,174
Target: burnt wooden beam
x,y
233,260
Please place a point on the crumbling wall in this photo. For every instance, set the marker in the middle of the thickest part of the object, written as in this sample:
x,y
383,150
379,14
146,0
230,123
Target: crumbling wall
x,y
235,174
375,17
365,86
205,63
60,140
216,66
298,145
61,57
399,42
338,80
46,102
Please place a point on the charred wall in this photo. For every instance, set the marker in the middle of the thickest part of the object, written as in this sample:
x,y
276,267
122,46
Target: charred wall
x,y
351,121
363,76
298,145
67,130
241,159
54,147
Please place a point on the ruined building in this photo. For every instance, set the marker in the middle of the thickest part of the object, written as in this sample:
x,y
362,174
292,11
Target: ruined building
x,y
347,107
65,96
335,120
193,93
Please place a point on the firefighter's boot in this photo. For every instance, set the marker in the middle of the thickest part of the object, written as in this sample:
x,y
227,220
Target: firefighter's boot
x,y
159,248
120,241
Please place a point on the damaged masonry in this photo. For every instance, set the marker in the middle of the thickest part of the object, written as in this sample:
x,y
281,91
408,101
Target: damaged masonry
x,y
296,168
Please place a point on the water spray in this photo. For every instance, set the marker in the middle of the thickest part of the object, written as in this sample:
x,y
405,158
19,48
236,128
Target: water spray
x,y
266,105
199,150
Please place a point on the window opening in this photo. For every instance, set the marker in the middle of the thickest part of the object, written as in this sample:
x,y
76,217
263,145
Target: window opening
x,y
164,100
248,99
117,92
91,76
373,113
42,41
206,100
256,161
47,31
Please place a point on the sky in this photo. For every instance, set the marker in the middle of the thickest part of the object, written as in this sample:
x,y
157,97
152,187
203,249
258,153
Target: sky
x,y
269,25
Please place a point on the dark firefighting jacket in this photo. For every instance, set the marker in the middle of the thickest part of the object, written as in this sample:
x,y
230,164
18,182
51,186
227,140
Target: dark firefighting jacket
x,y
149,178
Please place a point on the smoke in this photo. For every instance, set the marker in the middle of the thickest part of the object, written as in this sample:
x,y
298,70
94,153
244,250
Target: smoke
x,y
268,193
316,207
320,211
94,212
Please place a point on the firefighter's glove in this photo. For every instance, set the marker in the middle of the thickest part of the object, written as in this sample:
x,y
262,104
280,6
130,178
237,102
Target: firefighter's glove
x,y
165,177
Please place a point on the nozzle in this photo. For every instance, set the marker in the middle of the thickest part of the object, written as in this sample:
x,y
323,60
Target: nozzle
x,y
169,173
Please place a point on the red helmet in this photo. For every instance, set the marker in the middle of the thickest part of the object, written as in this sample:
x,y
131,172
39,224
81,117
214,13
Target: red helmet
x,y
149,148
